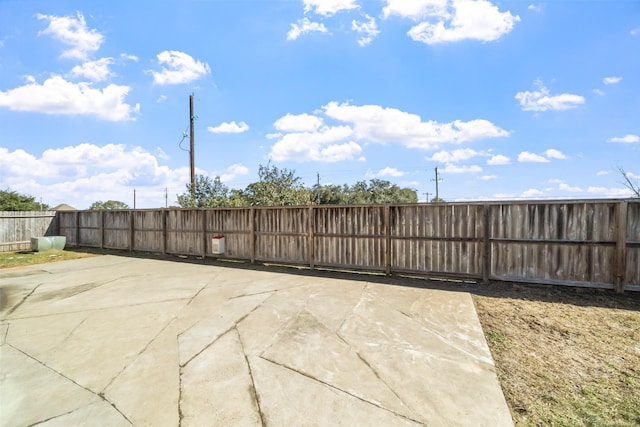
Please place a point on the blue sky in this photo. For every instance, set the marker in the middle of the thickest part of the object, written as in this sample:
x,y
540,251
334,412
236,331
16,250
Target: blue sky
x,y
509,99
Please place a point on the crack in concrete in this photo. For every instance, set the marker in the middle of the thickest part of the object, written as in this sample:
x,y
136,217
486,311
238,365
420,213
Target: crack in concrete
x,y
350,315
99,395
256,398
53,418
6,333
257,293
180,414
15,307
98,309
155,337
375,372
235,325
340,390
71,333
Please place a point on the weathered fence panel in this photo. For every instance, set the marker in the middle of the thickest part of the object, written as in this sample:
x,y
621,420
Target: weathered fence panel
x,y
116,232
185,229
349,237
17,228
149,230
632,256
235,226
90,228
547,242
592,243
281,235
440,239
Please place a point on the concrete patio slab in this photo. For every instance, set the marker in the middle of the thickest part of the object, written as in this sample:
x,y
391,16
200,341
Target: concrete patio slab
x,y
114,340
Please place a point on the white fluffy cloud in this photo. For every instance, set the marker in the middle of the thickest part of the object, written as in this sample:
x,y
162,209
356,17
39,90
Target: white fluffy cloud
x,y
233,171
73,32
383,125
542,100
552,153
445,21
327,144
178,68
453,168
498,159
95,71
328,7
82,174
611,80
58,96
527,157
304,137
387,172
368,30
231,127
454,156
305,26
627,139
415,9
531,193
298,123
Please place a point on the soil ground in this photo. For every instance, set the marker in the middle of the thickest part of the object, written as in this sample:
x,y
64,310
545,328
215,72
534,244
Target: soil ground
x,y
564,356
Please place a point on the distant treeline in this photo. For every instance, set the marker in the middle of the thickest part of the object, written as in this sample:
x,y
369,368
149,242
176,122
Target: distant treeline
x,y
281,187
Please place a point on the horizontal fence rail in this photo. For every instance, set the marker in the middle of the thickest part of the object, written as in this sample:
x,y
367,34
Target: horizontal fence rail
x,y
17,228
594,243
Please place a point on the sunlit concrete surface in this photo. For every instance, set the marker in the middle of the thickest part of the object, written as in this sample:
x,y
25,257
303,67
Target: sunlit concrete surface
x,y
115,340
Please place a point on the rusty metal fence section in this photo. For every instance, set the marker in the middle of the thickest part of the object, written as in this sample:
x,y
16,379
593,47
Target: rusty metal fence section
x,y
593,243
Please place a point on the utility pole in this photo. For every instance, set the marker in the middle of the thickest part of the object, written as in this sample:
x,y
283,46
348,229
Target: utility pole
x,y
192,158
166,197
134,199
427,194
437,180
318,192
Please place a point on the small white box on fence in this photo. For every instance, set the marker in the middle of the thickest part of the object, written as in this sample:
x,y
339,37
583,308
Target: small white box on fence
x,y
217,245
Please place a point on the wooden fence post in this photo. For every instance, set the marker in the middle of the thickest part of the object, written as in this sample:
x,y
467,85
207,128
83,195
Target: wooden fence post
x,y
621,246
486,245
77,228
102,229
310,242
387,240
252,235
204,233
165,214
131,230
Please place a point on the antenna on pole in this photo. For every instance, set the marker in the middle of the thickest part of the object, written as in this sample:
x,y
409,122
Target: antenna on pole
x,y
192,158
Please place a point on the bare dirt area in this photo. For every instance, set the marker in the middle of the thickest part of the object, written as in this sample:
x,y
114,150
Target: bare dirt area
x,y
564,356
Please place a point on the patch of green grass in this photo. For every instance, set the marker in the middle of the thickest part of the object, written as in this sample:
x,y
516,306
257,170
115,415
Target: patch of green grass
x,y
497,339
24,258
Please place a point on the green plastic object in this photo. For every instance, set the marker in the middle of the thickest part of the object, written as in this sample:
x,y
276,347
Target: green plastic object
x,y
41,244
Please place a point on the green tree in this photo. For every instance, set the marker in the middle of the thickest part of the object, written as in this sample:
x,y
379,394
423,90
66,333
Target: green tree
x,y
13,201
108,205
277,187
376,191
207,193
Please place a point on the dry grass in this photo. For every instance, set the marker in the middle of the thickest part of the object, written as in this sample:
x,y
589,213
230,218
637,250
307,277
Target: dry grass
x,y
23,258
564,356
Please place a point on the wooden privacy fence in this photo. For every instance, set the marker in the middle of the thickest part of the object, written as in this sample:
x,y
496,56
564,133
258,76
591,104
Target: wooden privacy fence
x,y
593,243
17,228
